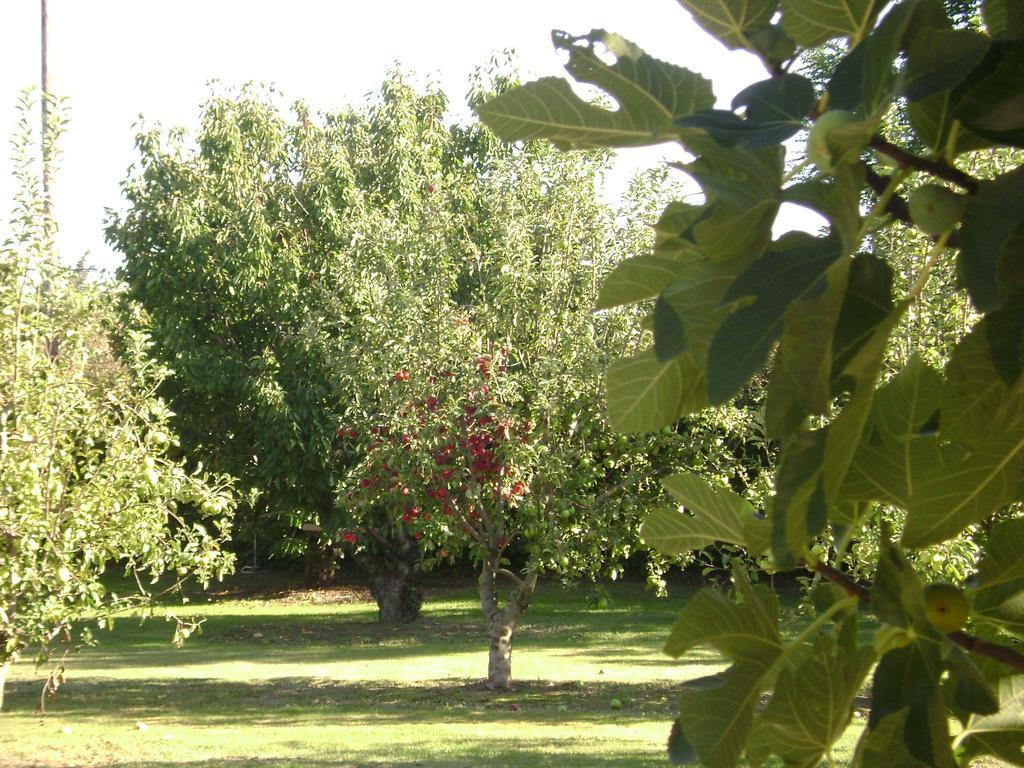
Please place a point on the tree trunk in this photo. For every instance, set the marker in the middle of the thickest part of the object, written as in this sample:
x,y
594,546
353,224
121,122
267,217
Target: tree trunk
x,y
501,622
398,601
3,679
391,570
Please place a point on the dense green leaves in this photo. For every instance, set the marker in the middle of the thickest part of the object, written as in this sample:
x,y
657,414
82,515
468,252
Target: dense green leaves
x,y
90,472
880,417
938,59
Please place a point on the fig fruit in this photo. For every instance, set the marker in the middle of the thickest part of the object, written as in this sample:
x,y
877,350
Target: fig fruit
x,y
936,209
946,607
819,151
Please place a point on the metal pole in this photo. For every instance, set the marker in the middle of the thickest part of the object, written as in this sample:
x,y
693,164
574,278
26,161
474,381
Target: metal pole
x,y
45,84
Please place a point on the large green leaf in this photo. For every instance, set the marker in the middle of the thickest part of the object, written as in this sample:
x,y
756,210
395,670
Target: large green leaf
x,y
1000,734
907,679
645,394
715,514
814,464
812,22
716,713
991,246
892,452
792,270
933,120
651,95
800,385
991,101
978,405
999,593
884,746
774,111
968,480
865,79
731,20
695,301
639,278
939,59
944,486
673,231
743,194
812,705
1004,331
837,198
644,277
1004,18
897,595
962,488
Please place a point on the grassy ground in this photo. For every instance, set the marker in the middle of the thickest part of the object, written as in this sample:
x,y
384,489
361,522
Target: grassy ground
x,y
309,679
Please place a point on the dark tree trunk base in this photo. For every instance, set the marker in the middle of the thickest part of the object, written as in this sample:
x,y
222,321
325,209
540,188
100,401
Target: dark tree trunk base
x,y
3,679
398,601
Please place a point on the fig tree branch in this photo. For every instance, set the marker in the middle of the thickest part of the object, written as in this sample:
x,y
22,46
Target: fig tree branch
x,y
968,642
936,168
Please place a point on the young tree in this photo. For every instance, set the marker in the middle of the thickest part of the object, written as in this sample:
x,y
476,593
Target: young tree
x,y
944,446
481,379
87,476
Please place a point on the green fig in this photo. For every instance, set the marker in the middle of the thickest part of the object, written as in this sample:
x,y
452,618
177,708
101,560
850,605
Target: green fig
x,y
946,607
935,209
819,151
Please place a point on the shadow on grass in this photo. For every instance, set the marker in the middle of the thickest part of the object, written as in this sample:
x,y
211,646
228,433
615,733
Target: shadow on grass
x,y
318,639
459,759
301,701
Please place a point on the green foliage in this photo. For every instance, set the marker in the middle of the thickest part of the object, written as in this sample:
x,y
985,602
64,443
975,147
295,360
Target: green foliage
x,y
229,248
865,426
478,370
88,474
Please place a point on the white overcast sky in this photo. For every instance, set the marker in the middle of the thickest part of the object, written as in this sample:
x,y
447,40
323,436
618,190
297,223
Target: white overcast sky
x,y
118,59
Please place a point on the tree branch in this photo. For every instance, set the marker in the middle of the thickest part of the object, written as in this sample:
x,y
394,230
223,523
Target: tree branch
x,y
1007,656
1000,653
520,583
936,168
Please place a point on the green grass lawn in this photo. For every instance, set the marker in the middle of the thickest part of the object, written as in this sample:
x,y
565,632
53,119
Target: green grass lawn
x,y
309,679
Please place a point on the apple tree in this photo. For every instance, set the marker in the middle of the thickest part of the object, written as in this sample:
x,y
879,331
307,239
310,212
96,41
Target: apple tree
x,y
944,445
89,474
482,425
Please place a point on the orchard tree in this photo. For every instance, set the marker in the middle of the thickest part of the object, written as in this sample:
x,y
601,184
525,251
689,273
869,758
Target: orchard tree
x,y
945,446
479,370
87,469
230,249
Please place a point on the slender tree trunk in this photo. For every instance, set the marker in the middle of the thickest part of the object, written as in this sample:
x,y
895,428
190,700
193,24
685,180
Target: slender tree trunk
x,y
501,622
